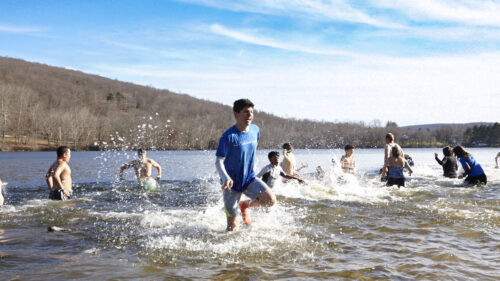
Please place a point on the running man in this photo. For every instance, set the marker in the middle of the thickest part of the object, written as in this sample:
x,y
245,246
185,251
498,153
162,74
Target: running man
x,y
58,177
235,161
142,168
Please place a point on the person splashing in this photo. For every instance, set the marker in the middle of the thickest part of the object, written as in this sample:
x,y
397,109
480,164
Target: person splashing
x,y
142,168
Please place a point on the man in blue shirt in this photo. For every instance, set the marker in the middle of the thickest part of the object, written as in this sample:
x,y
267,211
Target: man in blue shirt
x,y
235,161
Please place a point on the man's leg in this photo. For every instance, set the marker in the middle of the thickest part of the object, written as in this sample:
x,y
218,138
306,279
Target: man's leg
x,y
232,223
231,199
260,196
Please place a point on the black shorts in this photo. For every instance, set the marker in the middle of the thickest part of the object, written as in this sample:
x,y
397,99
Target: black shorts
x,y
58,195
395,181
476,179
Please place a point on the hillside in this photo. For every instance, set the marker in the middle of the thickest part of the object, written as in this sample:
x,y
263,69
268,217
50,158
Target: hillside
x,y
42,107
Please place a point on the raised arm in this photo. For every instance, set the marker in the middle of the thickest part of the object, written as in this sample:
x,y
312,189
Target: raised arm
x,y
302,166
226,179
123,168
437,159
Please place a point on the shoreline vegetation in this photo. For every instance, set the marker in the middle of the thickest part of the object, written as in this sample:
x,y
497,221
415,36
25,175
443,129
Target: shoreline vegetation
x,y
42,107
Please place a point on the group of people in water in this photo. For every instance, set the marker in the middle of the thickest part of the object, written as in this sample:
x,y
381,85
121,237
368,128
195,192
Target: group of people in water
x,y
235,158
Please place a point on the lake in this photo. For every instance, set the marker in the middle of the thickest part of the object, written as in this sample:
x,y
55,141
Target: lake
x,y
340,227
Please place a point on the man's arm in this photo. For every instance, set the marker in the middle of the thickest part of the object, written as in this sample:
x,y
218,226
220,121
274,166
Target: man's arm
x,y
123,168
158,168
437,159
407,166
226,179
302,166
57,175
48,178
291,177
263,171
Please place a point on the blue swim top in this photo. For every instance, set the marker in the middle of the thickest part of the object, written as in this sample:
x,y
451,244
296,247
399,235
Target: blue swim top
x,y
395,172
475,168
239,149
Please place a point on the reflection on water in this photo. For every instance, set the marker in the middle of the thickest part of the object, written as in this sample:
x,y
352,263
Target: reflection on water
x,y
339,227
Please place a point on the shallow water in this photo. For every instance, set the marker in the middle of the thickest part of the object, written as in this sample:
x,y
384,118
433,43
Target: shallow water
x,y
341,227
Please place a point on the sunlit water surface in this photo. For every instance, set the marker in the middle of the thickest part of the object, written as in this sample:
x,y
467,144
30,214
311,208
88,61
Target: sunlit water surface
x,y
341,227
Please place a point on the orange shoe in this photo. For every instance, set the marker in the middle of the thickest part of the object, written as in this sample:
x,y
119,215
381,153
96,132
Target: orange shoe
x,y
245,214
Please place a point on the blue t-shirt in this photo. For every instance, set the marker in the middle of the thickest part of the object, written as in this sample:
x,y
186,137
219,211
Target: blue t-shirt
x,y
475,168
239,148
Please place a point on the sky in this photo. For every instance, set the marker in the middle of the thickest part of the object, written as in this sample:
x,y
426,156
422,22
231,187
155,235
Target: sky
x,y
411,62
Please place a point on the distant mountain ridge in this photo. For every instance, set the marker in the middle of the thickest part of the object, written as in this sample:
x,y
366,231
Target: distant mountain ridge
x,y
42,107
439,125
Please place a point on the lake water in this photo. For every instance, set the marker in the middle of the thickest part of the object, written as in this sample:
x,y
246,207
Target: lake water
x,y
340,227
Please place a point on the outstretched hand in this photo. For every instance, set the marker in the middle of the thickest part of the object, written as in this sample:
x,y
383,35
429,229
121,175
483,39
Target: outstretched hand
x,y
228,184
435,154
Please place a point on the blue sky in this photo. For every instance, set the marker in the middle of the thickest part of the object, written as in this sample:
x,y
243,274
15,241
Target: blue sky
x,y
412,62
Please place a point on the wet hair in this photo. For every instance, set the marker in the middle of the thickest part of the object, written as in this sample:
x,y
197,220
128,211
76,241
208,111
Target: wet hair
x,y
272,154
460,151
390,136
61,150
242,103
447,151
347,147
396,151
141,152
287,146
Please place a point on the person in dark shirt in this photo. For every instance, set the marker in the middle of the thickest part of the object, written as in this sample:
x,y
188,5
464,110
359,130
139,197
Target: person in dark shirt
x,y
449,163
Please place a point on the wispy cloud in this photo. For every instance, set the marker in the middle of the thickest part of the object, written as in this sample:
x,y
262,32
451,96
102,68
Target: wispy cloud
x,y
21,29
474,13
337,10
257,39
126,45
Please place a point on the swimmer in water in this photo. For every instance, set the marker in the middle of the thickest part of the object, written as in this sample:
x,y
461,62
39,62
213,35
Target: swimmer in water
x,y
449,163
142,168
58,177
393,169
273,171
348,162
1,188
289,163
472,169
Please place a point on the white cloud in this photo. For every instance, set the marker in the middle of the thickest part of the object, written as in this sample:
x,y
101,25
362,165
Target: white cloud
x,y
20,29
475,13
312,10
408,91
268,42
126,45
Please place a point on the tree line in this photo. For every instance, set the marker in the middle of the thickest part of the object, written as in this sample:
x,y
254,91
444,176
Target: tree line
x,y
42,107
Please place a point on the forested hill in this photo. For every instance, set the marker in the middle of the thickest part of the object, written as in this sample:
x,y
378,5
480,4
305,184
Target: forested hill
x,y
43,106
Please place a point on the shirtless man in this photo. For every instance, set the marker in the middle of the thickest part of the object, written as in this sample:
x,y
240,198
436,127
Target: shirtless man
x,y
289,163
348,161
142,167
58,176
389,144
496,160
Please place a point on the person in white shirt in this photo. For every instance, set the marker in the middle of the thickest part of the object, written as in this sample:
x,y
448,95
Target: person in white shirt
x,y
273,171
